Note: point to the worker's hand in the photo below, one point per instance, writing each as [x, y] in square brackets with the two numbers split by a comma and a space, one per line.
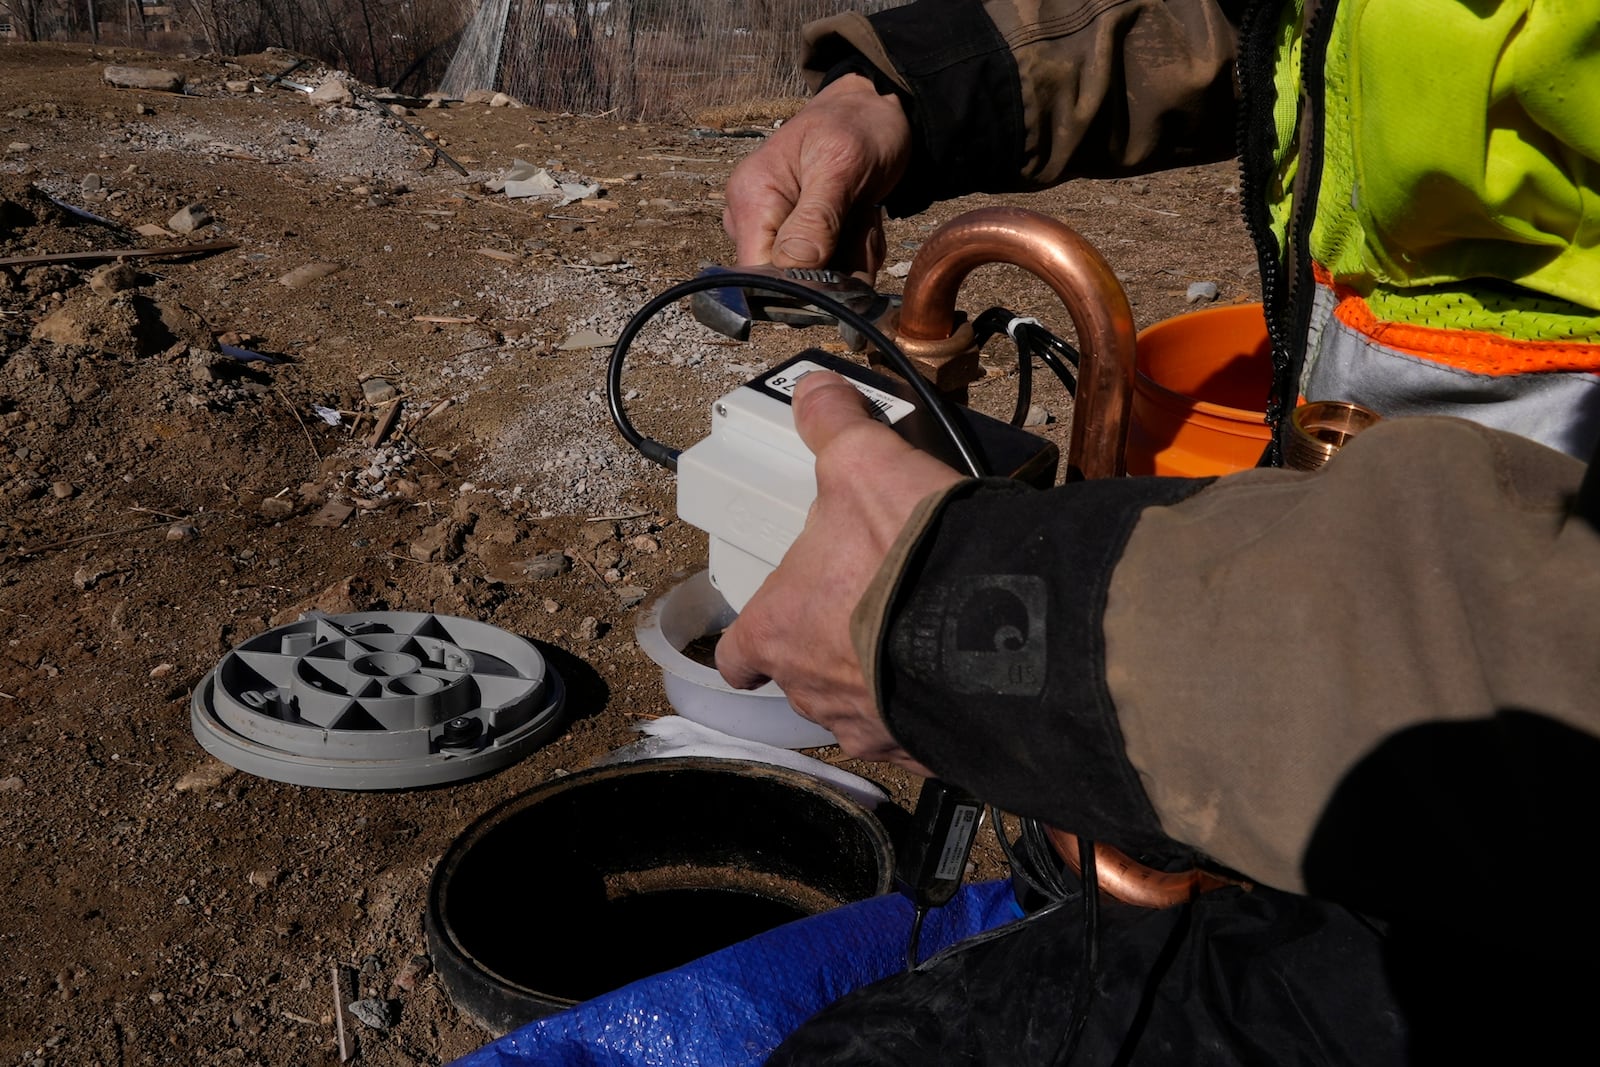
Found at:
[809, 196]
[796, 629]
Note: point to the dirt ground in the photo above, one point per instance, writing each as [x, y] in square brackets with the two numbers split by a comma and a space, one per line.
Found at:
[160, 503]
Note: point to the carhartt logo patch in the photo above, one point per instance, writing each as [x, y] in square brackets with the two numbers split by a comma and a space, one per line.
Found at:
[983, 634]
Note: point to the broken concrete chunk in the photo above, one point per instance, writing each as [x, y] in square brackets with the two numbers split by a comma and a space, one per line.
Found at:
[585, 338]
[303, 276]
[334, 93]
[160, 81]
[190, 219]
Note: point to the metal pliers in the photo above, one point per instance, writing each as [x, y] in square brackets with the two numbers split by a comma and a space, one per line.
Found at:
[732, 310]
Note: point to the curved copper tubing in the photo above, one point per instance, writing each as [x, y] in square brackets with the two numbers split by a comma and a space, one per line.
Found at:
[1084, 281]
[1058, 255]
[1130, 881]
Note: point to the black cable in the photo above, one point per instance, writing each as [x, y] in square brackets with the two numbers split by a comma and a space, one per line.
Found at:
[1032, 341]
[667, 456]
[1083, 988]
[915, 939]
[996, 321]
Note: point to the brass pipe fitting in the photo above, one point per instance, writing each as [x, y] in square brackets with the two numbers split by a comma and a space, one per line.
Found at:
[1058, 255]
[950, 363]
[1320, 428]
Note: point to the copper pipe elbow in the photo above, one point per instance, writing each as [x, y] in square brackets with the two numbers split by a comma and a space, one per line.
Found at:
[1083, 280]
[1057, 254]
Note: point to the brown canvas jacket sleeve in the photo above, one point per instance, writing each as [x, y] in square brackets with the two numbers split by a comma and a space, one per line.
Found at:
[1011, 95]
[1373, 683]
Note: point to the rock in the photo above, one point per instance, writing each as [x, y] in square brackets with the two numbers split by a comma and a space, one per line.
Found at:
[62, 490]
[440, 542]
[605, 259]
[263, 878]
[899, 270]
[88, 576]
[203, 778]
[551, 606]
[162, 670]
[114, 278]
[1037, 416]
[159, 81]
[378, 391]
[17, 148]
[143, 108]
[502, 100]
[415, 969]
[182, 531]
[1199, 291]
[236, 87]
[589, 628]
[308, 273]
[646, 544]
[632, 595]
[190, 219]
[340, 598]
[91, 183]
[546, 565]
[277, 507]
[334, 93]
[10, 785]
[598, 533]
[479, 96]
[376, 1012]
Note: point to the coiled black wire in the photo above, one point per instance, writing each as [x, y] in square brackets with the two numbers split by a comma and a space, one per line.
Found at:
[667, 456]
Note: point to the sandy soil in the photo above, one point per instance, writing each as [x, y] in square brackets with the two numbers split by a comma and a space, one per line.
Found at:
[159, 503]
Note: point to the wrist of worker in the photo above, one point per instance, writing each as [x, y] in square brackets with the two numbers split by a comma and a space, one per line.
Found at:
[956, 80]
[981, 640]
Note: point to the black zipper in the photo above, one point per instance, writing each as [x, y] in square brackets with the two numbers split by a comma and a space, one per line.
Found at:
[1286, 282]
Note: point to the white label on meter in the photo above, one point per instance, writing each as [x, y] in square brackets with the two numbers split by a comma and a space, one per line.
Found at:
[952, 858]
[886, 407]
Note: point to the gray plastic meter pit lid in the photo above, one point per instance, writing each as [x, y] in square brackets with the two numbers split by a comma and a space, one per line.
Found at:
[378, 700]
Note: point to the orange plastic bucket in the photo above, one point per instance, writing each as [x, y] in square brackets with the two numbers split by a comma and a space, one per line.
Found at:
[1200, 394]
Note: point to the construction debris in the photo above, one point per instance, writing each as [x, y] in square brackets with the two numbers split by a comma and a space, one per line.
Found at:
[160, 81]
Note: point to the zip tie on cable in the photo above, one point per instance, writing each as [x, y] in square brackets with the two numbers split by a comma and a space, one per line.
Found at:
[1020, 320]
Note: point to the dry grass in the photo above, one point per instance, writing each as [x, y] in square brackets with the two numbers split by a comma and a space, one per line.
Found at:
[749, 112]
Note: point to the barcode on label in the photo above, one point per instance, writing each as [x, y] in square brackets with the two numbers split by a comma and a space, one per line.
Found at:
[886, 407]
[953, 856]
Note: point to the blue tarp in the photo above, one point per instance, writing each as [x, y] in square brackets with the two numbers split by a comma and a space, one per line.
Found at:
[733, 1007]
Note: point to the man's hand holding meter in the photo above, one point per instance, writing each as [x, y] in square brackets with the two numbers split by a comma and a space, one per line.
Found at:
[796, 630]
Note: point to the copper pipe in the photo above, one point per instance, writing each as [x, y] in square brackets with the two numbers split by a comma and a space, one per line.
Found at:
[1123, 878]
[1058, 255]
[1085, 283]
